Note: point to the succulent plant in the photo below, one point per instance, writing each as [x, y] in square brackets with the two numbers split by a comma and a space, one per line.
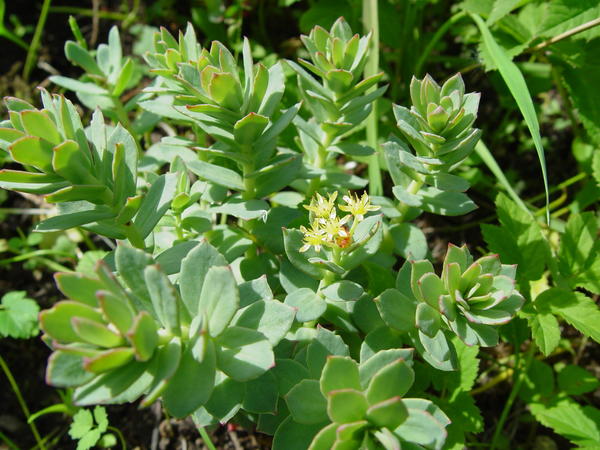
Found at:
[119, 340]
[470, 299]
[439, 123]
[338, 58]
[95, 178]
[238, 111]
[107, 75]
[438, 127]
[364, 406]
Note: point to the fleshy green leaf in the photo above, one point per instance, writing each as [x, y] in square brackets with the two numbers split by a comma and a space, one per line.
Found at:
[184, 394]
[309, 305]
[340, 373]
[306, 403]
[346, 405]
[390, 381]
[245, 354]
[165, 298]
[219, 300]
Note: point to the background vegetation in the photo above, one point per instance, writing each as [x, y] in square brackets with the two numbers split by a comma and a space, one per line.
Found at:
[539, 149]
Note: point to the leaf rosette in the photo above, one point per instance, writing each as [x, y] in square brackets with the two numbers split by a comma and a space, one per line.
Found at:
[470, 299]
[438, 127]
[118, 340]
[93, 180]
[439, 123]
[238, 108]
[340, 100]
[362, 406]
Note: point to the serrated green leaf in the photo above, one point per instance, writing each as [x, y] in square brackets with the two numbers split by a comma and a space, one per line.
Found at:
[567, 418]
[575, 307]
[545, 331]
[575, 380]
[519, 242]
[101, 418]
[579, 249]
[18, 316]
[82, 423]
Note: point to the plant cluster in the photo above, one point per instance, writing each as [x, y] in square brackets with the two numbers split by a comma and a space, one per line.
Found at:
[241, 288]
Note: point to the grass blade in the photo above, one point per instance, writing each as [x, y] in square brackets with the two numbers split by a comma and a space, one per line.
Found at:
[513, 78]
[484, 153]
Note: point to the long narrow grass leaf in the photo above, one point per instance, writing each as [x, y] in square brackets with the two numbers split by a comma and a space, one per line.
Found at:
[489, 160]
[518, 88]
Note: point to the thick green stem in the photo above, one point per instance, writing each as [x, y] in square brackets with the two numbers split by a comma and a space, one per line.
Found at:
[320, 162]
[371, 23]
[250, 189]
[21, 400]
[35, 41]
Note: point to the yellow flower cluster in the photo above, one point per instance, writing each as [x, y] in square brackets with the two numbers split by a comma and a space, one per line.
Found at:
[329, 230]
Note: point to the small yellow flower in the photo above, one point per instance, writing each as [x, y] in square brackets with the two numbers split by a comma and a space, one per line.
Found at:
[313, 237]
[334, 227]
[322, 208]
[358, 207]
